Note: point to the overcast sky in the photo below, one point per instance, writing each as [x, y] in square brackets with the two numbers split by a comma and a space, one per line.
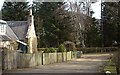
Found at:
[96, 7]
[1, 3]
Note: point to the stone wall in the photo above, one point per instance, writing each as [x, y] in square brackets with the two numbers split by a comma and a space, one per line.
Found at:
[69, 55]
[0, 61]
[14, 59]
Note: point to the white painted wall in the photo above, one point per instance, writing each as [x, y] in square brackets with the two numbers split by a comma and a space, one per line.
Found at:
[2, 27]
[6, 31]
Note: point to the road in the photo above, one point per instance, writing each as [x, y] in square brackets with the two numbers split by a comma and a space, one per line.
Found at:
[88, 63]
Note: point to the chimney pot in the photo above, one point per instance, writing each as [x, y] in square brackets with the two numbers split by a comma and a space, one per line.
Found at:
[30, 11]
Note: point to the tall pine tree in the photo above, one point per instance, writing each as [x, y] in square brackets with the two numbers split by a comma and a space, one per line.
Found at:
[55, 25]
[110, 21]
[15, 11]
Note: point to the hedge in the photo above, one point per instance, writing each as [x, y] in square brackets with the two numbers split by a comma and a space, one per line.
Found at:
[97, 49]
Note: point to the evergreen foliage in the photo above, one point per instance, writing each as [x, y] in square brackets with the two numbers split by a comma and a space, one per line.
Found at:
[61, 48]
[15, 11]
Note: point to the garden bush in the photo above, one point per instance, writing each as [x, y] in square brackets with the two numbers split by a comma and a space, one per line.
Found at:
[49, 50]
[61, 48]
[70, 46]
[46, 50]
[52, 50]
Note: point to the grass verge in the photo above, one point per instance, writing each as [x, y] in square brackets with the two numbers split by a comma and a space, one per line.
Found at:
[110, 67]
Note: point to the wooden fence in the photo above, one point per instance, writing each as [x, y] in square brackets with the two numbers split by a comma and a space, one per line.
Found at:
[14, 59]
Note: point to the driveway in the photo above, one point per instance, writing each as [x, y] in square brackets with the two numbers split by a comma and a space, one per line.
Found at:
[88, 63]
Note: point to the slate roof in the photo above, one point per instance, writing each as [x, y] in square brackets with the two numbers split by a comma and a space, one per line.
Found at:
[19, 28]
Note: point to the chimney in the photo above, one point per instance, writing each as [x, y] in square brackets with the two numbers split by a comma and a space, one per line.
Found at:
[31, 28]
[31, 18]
[31, 35]
[30, 12]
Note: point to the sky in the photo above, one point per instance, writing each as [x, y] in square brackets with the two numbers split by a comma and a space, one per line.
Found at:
[1, 3]
[96, 7]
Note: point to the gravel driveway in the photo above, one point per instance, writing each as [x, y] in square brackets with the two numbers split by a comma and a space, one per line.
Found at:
[88, 63]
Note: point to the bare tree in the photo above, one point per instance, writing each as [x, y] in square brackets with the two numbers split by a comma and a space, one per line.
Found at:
[79, 17]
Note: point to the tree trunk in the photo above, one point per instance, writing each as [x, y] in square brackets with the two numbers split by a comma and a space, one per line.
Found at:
[83, 44]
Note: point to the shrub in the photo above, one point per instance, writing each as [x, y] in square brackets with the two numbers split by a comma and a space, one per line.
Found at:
[46, 50]
[52, 50]
[61, 48]
[70, 46]
[49, 50]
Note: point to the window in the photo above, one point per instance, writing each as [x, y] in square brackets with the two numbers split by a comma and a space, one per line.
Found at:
[2, 28]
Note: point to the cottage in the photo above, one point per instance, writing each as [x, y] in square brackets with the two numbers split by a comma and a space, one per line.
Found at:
[6, 34]
[19, 33]
[20, 29]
